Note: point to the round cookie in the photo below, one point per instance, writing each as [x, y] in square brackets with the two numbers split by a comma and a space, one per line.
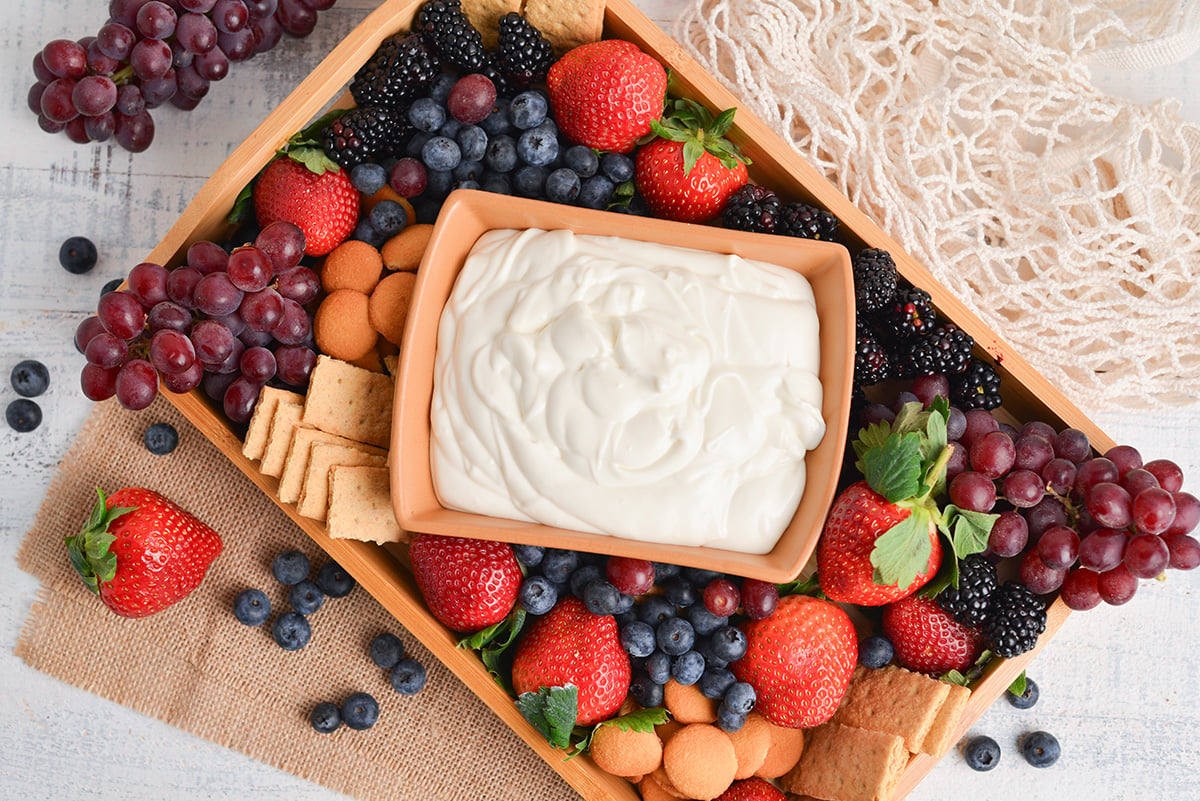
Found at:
[389, 305]
[667, 729]
[783, 753]
[700, 761]
[659, 778]
[687, 704]
[750, 744]
[341, 326]
[352, 265]
[404, 250]
[625, 753]
[652, 790]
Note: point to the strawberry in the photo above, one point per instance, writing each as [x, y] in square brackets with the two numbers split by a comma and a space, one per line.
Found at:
[881, 538]
[468, 584]
[605, 94]
[927, 639]
[690, 170]
[752, 789]
[311, 192]
[140, 552]
[799, 660]
[570, 645]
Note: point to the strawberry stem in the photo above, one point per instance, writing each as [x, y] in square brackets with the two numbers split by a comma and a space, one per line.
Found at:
[89, 549]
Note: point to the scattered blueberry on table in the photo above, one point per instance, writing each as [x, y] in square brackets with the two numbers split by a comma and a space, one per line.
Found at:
[982, 753]
[161, 438]
[77, 255]
[252, 607]
[1027, 698]
[306, 597]
[1040, 749]
[23, 415]
[290, 567]
[386, 650]
[326, 717]
[334, 581]
[360, 711]
[291, 631]
[30, 378]
[408, 676]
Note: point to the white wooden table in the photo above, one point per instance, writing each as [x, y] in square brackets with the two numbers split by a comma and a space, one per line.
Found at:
[1120, 687]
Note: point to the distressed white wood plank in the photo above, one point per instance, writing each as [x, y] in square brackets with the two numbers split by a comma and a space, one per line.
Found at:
[1119, 686]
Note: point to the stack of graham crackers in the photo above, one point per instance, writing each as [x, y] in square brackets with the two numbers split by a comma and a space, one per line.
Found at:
[328, 448]
[886, 716]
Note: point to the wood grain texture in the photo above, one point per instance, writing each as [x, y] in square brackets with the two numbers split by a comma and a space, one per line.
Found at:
[1119, 686]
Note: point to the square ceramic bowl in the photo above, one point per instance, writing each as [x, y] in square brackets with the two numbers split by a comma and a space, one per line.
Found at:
[469, 214]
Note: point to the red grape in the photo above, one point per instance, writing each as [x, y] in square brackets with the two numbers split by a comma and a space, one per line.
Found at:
[294, 325]
[240, 398]
[58, 101]
[88, 328]
[283, 244]
[1059, 475]
[216, 295]
[1049, 511]
[121, 314]
[261, 310]
[101, 127]
[1146, 555]
[1040, 578]
[168, 315]
[230, 16]
[136, 384]
[722, 597]
[1032, 452]
[759, 598]
[207, 257]
[1169, 475]
[1187, 513]
[196, 32]
[1109, 505]
[973, 491]
[1023, 488]
[1009, 534]
[408, 177]
[249, 269]
[1072, 444]
[258, 365]
[185, 381]
[150, 58]
[992, 454]
[148, 283]
[171, 352]
[1138, 479]
[65, 59]
[1080, 590]
[1093, 472]
[1102, 549]
[106, 351]
[212, 340]
[1116, 586]
[97, 383]
[94, 94]
[211, 66]
[630, 576]
[471, 99]
[928, 387]
[298, 283]
[1184, 551]
[135, 132]
[978, 423]
[1058, 547]
[1153, 511]
[295, 363]
[1125, 457]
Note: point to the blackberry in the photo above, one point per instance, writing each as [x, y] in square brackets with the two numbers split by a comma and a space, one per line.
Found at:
[1018, 617]
[806, 222]
[946, 350]
[363, 134]
[977, 387]
[401, 69]
[971, 603]
[874, 280]
[751, 208]
[446, 31]
[525, 54]
[491, 68]
[909, 314]
[872, 363]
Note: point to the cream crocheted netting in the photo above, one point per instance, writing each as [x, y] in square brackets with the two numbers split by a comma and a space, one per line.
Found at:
[1067, 219]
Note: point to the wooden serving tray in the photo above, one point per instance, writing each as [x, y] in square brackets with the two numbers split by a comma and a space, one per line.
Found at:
[382, 571]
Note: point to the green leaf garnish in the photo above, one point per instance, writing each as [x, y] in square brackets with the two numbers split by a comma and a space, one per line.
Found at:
[902, 552]
[1019, 685]
[638, 720]
[495, 644]
[894, 470]
[954, 677]
[552, 711]
[968, 531]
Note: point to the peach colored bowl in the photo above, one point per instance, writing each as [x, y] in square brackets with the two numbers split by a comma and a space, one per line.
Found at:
[465, 216]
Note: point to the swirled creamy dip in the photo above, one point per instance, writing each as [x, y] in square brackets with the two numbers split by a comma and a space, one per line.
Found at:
[626, 388]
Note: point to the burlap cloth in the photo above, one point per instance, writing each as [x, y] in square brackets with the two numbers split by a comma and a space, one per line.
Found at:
[195, 667]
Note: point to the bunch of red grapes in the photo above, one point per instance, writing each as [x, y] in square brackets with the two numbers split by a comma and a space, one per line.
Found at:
[228, 322]
[152, 52]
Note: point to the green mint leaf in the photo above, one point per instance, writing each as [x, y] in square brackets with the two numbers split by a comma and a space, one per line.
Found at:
[552, 711]
[902, 552]
[968, 531]
[954, 677]
[1019, 685]
[638, 720]
[894, 470]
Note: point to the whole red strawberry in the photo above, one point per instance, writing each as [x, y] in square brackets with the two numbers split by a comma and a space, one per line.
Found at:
[140, 552]
[689, 172]
[313, 194]
[468, 584]
[570, 645]
[926, 639]
[605, 94]
[752, 789]
[855, 522]
[799, 660]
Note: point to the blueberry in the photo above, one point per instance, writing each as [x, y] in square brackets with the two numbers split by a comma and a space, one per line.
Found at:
[415, 143]
[408, 676]
[740, 697]
[875, 651]
[617, 167]
[500, 155]
[595, 192]
[497, 122]
[290, 567]
[537, 147]
[325, 717]
[675, 636]
[291, 631]
[601, 597]
[704, 621]
[655, 609]
[468, 171]
[386, 650]
[450, 128]
[537, 595]
[687, 668]
[366, 232]
[625, 604]
[334, 581]
[388, 217]
[368, 177]
[558, 564]
[441, 153]
[426, 115]
[528, 180]
[549, 127]
[637, 638]
[728, 720]
[528, 555]
[583, 576]
[562, 186]
[528, 109]
[715, 682]
[700, 577]
[252, 607]
[664, 570]
[23, 415]
[472, 141]
[658, 667]
[729, 643]
[30, 378]
[582, 160]
[1040, 749]
[111, 286]
[497, 183]
[679, 591]
[981, 753]
[1026, 699]
[161, 438]
[646, 691]
[306, 597]
[438, 183]
[360, 711]
[77, 255]
[439, 90]
[625, 618]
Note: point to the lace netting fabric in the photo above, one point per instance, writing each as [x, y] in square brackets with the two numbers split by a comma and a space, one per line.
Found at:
[971, 132]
